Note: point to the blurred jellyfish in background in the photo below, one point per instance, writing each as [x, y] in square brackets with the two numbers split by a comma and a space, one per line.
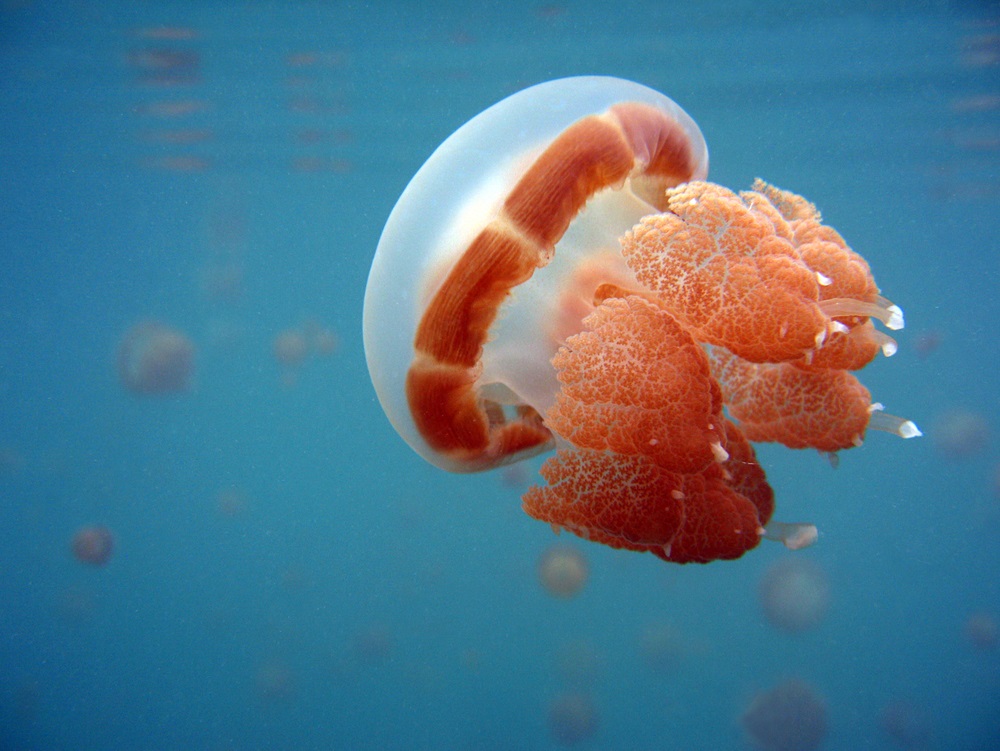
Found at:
[93, 545]
[373, 645]
[562, 571]
[294, 345]
[171, 68]
[960, 434]
[982, 631]
[165, 66]
[322, 340]
[155, 359]
[169, 109]
[291, 347]
[980, 50]
[789, 717]
[275, 681]
[794, 594]
[572, 718]
[926, 343]
[906, 725]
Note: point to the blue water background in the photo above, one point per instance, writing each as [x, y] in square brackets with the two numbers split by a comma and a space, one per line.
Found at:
[385, 603]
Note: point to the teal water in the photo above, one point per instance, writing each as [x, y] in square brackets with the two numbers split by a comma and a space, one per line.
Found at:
[287, 572]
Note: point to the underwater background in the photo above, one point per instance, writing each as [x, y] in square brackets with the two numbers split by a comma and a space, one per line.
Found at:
[286, 572]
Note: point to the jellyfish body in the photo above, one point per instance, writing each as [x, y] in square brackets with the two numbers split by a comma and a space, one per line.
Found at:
[93, 545]
[155, 359]
[559, 275]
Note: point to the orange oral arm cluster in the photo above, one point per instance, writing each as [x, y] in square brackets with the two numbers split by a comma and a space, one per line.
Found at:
[785, 306]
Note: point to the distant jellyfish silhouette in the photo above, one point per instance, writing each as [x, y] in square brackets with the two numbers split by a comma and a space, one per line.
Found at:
[572, 718]
[794, 594]
[275, 681]
[93, 545]
[562, 571]
[291, 347]
[906, 724]
[321, 339]
[155, 359]
[324, 341]
[959, 433]
[982, 631]
[927, 343]
[789, 717]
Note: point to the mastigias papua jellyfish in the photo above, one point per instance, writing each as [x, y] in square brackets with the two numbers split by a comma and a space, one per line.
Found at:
[559, 276]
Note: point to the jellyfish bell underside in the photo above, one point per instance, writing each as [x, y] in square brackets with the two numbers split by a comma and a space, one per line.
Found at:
[558, 275]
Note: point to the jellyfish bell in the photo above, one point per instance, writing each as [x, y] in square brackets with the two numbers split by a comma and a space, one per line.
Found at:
[960, 434]
[291, 347]
[982, 631]
[573, 718]
[562, 571]
[489, 190]
[275, 681]
[789, 717]
[795, 595]
[155, 359]
[907, 725]
[93, 545]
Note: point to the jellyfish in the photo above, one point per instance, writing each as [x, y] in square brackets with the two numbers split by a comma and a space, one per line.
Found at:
[789, 717]
[155, 359]
[982, 631]
[93, 545]
[794, 594]
[275, 681]
[291, 347]
[573, 718]
[562, 571]
[960, 434]
[907, 725]
[560, 276]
